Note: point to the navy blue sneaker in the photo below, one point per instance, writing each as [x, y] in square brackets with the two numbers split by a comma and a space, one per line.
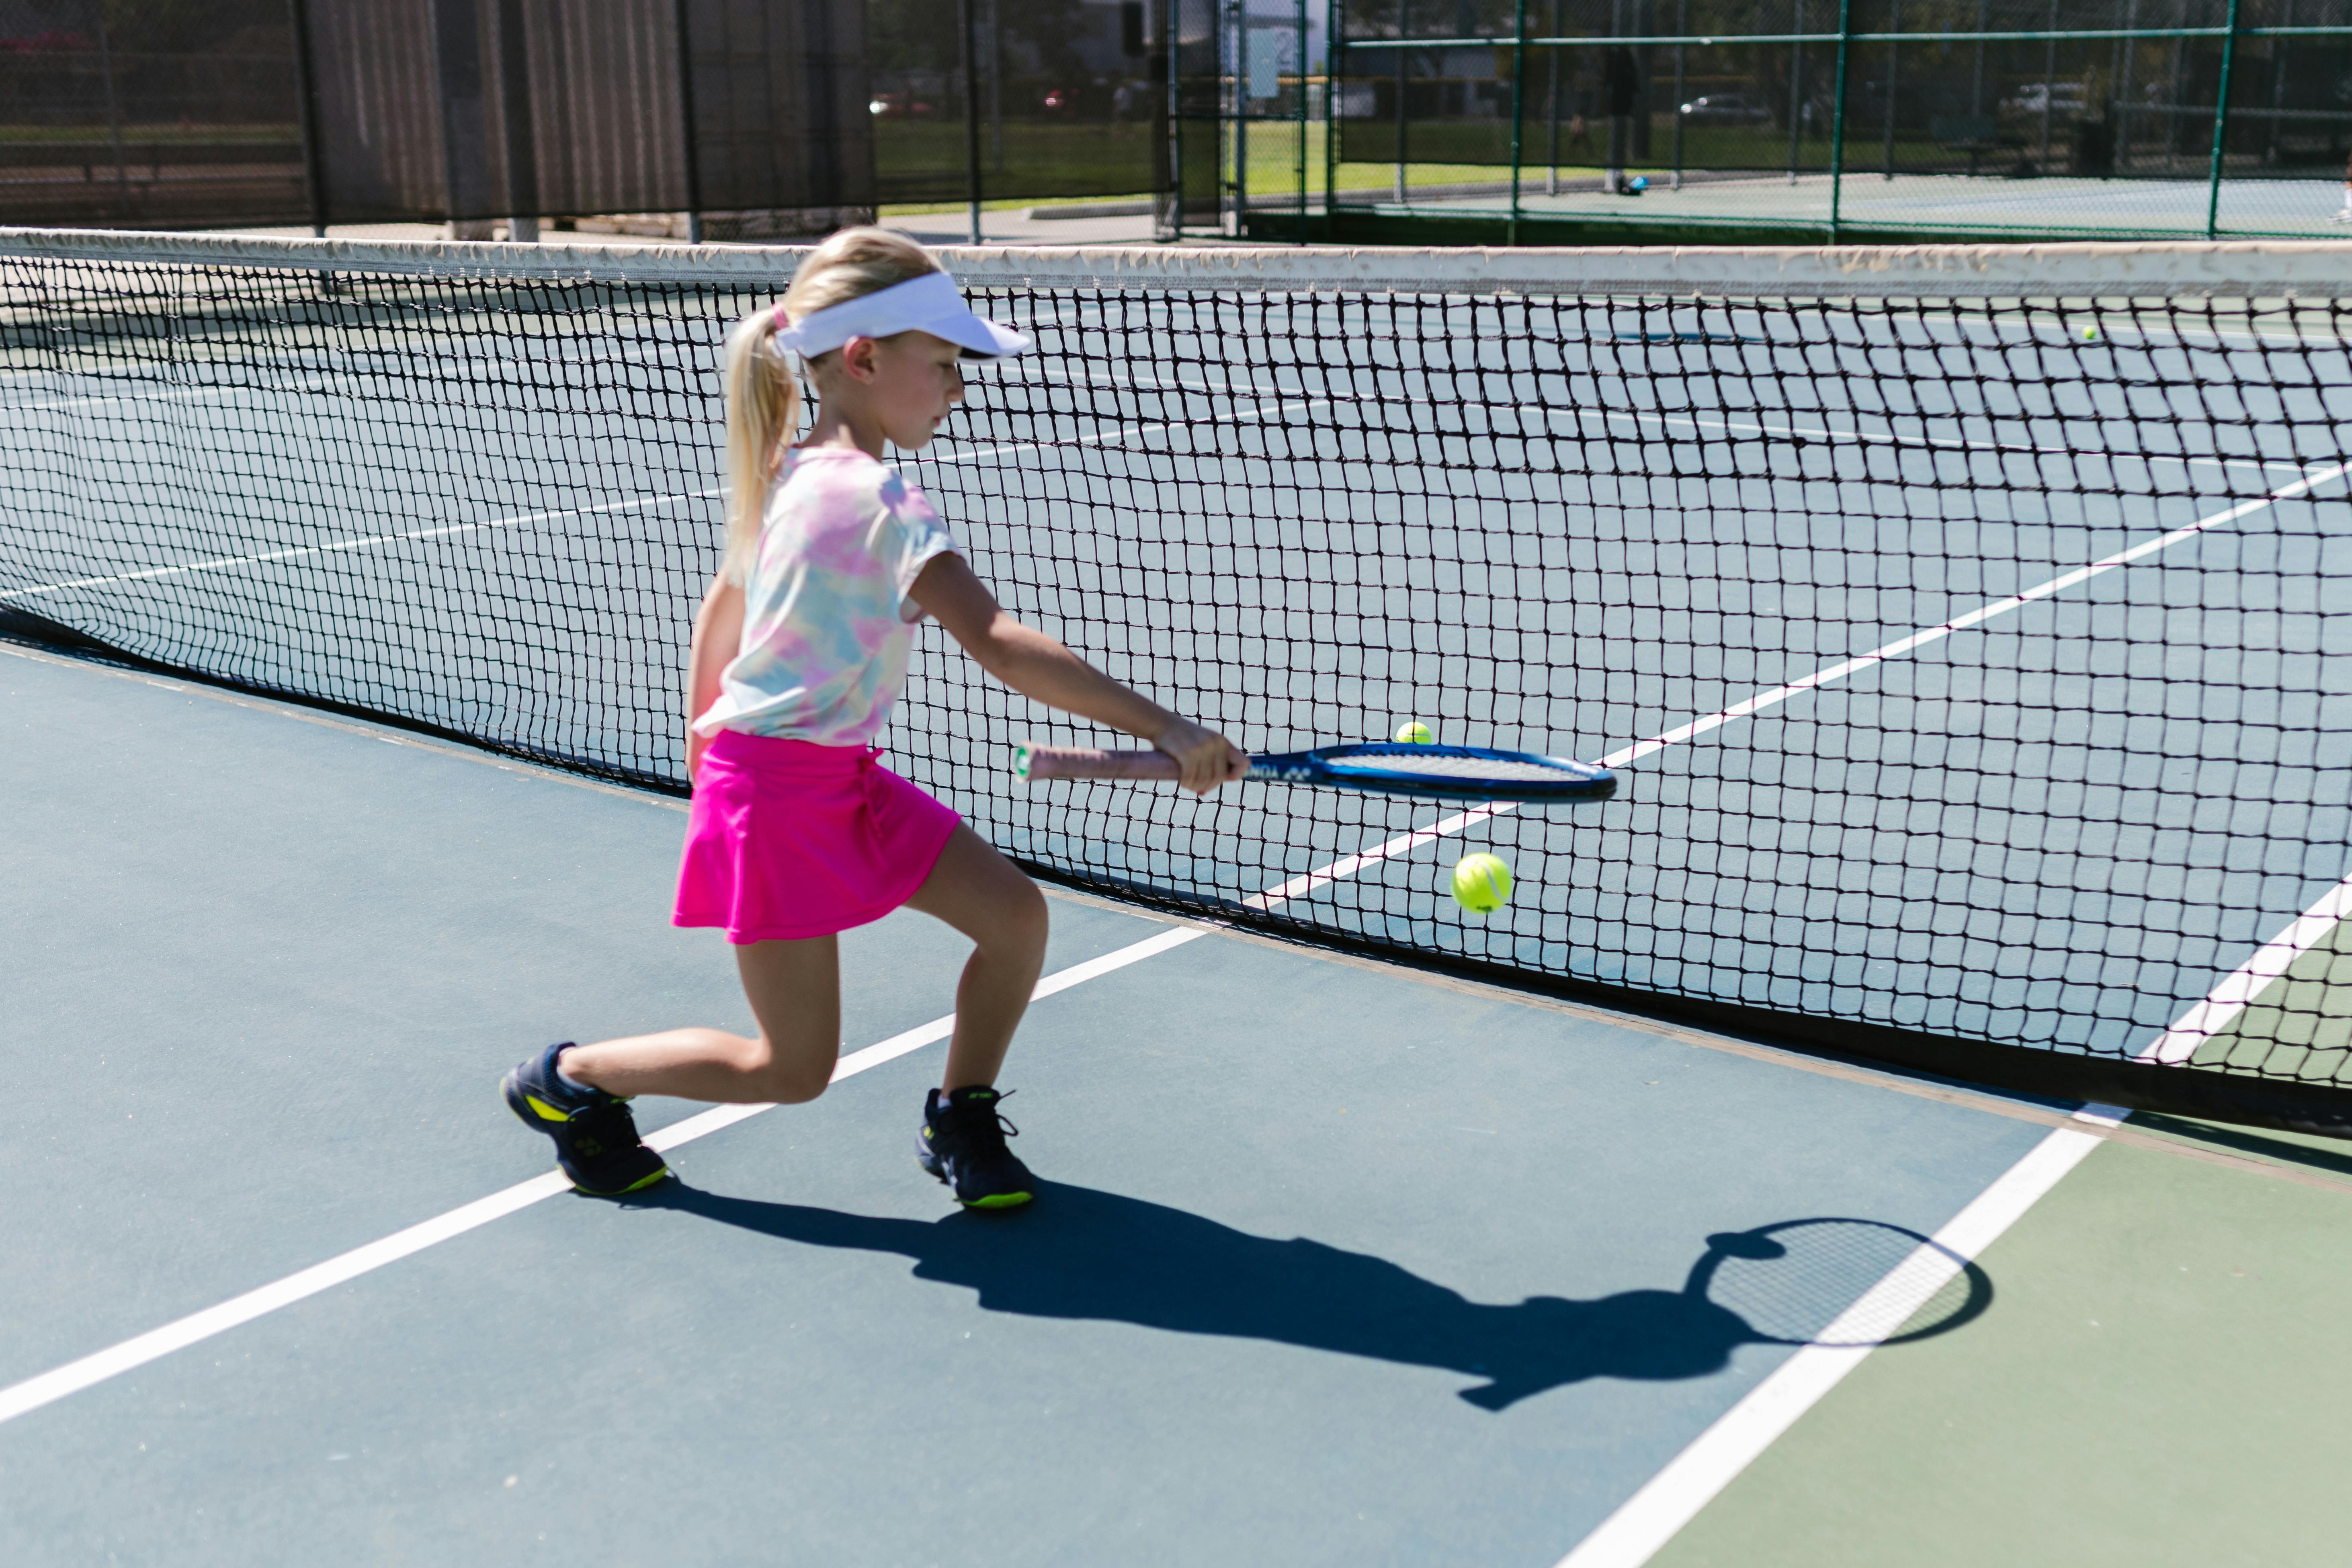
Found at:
[962, 1144]
[596, 1137]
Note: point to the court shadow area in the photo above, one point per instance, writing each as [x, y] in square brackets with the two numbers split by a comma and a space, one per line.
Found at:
[1082, 1253]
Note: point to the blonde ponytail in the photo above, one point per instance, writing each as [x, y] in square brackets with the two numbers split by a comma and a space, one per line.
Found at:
[763, 393]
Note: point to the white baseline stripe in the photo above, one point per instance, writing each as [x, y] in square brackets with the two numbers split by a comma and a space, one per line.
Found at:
[1406, 843]
[74, 1376]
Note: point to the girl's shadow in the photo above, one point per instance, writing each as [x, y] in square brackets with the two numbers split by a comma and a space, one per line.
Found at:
[1079, 1253]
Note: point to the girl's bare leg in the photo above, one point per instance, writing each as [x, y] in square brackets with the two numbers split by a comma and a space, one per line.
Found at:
[985, 897]
[794, 988]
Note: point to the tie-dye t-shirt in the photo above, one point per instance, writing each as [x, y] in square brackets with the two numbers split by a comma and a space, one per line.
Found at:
[827, 624]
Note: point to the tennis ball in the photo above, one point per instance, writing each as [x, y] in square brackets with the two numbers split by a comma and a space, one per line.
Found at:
[2090, 334]
[1481, 883]
[1413, 732]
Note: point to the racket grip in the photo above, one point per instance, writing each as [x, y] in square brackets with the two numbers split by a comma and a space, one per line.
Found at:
[1034, 763]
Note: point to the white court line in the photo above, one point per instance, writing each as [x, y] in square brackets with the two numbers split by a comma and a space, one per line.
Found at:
[1037, 375]
[2270, 962]
[178, 395]
[366, 541]
[1106, 437]
[522, 520]
[1673, 1497]
[1404, 844]
[91, 1370]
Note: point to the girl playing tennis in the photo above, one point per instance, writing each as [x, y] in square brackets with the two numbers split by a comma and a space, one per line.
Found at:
[800, 648]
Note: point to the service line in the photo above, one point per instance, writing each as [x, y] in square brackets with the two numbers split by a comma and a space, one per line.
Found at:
[1749, 707]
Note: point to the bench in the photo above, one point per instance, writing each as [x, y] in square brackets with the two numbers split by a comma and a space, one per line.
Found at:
[1975, 135]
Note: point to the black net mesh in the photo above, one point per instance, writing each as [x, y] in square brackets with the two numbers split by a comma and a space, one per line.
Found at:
[1968, 662]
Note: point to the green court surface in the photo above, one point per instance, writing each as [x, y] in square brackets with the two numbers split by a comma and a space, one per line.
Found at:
[2162, 1383]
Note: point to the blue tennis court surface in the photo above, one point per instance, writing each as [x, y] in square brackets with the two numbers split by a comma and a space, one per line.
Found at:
[1333, 1263]
[1969, 671]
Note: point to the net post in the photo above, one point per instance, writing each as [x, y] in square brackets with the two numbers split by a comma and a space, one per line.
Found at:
[2220, 124]
[687, 141]
[1837, 116]
[1519, 104]
[306, 103]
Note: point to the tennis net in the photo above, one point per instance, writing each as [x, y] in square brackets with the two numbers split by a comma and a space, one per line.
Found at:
[1957, 619]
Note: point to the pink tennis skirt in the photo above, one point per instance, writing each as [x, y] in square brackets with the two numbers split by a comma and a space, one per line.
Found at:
[789, 839]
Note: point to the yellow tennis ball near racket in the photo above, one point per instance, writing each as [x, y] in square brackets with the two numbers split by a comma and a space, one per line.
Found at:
[1481, 883]
[1413, 732]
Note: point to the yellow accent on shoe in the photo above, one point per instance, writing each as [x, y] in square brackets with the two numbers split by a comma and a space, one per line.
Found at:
[546, 1111]
[639, 1185]
[1000, 1201]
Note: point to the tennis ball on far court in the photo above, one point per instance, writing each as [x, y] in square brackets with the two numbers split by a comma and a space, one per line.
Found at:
[1413, 732]
[2090, 334]
[1481, 883]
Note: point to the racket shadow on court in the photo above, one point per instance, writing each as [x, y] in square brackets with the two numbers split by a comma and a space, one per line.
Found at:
[1082, 1253]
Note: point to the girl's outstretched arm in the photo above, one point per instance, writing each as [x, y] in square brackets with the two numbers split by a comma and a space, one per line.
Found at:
[1036, 666]
[718, 636]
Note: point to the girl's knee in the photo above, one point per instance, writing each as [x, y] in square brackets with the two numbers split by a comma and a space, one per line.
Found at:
[799, 1089]
[784, 1079]
[1024, 920]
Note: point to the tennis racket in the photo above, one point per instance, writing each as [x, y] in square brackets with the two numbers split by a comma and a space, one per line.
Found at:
[1380, 767]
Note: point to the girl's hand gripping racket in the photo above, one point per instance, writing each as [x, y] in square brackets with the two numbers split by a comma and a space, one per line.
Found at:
[1381, 767]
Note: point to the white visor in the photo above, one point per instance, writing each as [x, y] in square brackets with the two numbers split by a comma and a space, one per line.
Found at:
[931, 303]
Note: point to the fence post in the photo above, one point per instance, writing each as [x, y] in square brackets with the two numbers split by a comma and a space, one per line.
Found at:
[1169, 34]
[2221, 123]
[1519, 104]
[970, 110]
[1298, 80]
[306, 98]
[1837, 116]
[113, 113]
[1404, 20]
[1796, 88]
[1334, 18]
[688, 126]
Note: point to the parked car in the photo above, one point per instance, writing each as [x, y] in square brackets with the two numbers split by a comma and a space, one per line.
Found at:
[1725, 109]
[899, 106]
